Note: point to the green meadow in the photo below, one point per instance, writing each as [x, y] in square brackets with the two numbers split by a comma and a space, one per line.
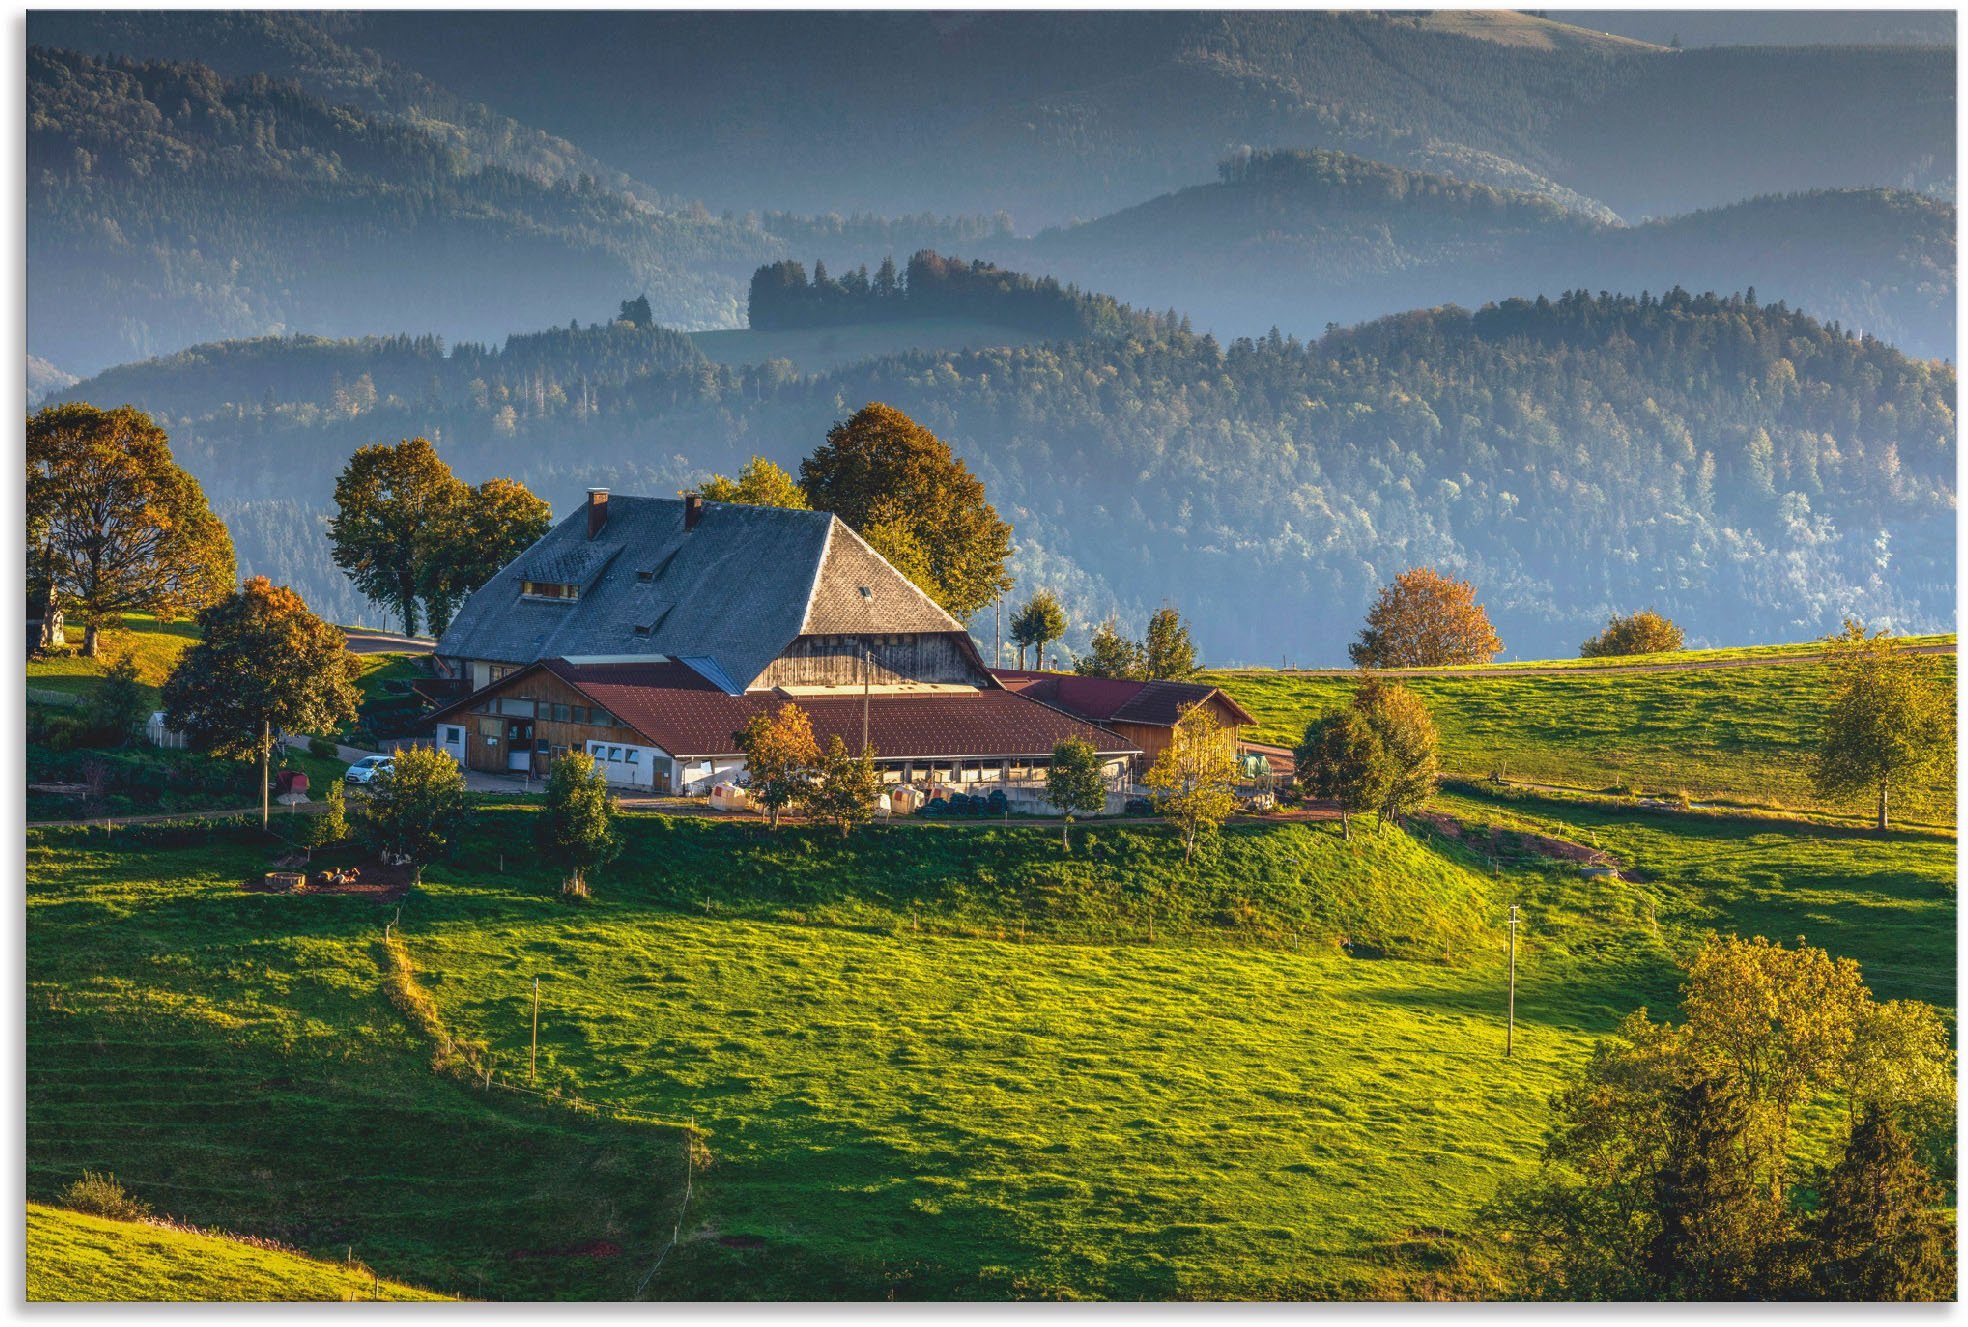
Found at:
[72, 1256]
[1732, 735]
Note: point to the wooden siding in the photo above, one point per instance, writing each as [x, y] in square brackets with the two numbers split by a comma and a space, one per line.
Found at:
[1153, 739]
[813, 661]
[487, 731]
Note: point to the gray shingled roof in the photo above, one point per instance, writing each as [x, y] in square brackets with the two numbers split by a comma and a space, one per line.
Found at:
[738, 589]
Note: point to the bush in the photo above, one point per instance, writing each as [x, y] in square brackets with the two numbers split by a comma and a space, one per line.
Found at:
[997, 803]
[1642, 633]
[101, 1195]
[323, 749]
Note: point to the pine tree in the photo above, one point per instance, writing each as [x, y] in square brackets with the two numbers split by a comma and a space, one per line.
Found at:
[1718, 1225]
[1879, 1230]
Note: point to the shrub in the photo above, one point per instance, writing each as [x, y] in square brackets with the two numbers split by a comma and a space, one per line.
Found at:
[323, 749]
[101, 1195]
[1645, 632]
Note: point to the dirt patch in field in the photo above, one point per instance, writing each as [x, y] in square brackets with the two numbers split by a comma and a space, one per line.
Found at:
[370, 880]
[1500, 842]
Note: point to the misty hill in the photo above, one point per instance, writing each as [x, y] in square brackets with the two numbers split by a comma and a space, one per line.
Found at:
[1061, 115]
[1743, 468]
[1301, 240]
[170, 206]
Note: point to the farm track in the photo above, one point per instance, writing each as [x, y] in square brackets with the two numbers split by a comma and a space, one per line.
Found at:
[1482, 671]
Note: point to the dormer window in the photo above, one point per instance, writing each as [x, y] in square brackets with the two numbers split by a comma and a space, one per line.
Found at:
[867, 593]
[549, 590]
[642, 631]
[646, 576]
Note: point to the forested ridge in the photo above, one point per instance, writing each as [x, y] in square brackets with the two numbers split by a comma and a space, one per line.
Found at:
[1304, 239]
[1744, 468]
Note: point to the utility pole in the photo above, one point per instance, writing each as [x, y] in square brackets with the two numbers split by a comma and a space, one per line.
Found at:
[266, 752]
[533, 1056]
[1510, 1029]
[867, 672]
[997, 631]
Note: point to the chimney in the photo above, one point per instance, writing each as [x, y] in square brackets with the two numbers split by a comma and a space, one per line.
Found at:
[693, 510]
[597, 510]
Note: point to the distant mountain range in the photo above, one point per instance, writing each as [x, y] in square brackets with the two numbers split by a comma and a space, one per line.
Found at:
[1740, 467]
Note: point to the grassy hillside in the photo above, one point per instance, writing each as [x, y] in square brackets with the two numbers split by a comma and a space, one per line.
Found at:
[73, 1256]
[1731, 735]
[232, 1058]
[823, 349]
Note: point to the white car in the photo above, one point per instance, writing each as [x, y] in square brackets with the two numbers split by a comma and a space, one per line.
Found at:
[365, 770]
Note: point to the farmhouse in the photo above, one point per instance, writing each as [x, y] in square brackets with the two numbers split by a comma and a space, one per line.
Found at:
[1143, 713]
[646, 631]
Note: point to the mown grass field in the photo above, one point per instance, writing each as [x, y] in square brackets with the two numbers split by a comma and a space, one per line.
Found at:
[1739, 735]
[73, 1256]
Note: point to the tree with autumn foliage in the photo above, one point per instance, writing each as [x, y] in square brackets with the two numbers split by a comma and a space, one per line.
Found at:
[1193, 780]
[396, 508]
[1645, 632]
[781, 758]
[1425, 620]
[113, 524]
[263, 665]
[1888, 719]
[489, 525]
[907, 494]
[762, 483]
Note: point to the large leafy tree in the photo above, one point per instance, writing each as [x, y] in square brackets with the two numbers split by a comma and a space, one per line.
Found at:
[1075, 784]
[899, 485]
[397, 506]
[577, 832]
[1425, 620]
[847, 790]
[1170, 653]
[1194, 778]
[1341, 758]
[493, 523]
[1036, 625]
[114, 523]
[1888, 719]
[781, 758]
[1645, 632]
[263, 665]
[1410, 746]
[414, 810]
[762, 483]
[1111, 654]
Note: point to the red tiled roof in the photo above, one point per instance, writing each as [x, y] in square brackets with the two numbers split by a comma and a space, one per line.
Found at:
[674, 707]
[1115, 699]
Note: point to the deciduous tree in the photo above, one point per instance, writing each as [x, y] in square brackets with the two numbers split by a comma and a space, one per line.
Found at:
[118, 705]
[1075, 784]
[847, 791]
[1194, 778]
[879, 467]
[1341, 758]
[1645, 632]
[1410, 747]
[118, 527]
[491, 524]
[263, 664]
[577, 832]
[781, 758]
[396, 508]
[762, 483]
[1888, 719]
[415, 808]
[1425, 620]
[1040, 622]
[1170, 653]
[1110, 654]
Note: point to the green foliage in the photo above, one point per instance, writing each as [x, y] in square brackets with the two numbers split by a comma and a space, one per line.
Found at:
[415, 810]
[491, 524]
[1109, 653]
[263, 664]
[846, 790]
[322, 749]
[1074, 782]
[1036, 625]
[879, 469]
[120, 703]
[1193, 778]
[101, 1195]
[1410, 748]
[1879, 1231]
[762, 483]
[1341, 758]
[576, 832]
[1645, 632]
[1170, 653]
[330, 825]
[113, 522]
[394, 506]
[781, 758]
[1888, 719]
